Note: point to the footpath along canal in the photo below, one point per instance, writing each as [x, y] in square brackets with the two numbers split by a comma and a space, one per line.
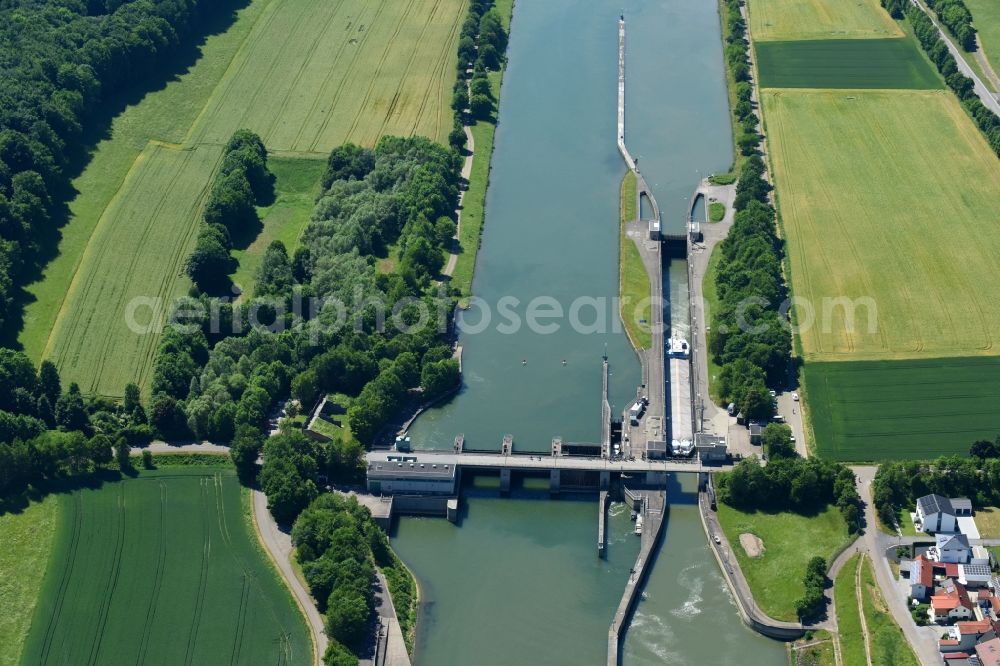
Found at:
[517, 580]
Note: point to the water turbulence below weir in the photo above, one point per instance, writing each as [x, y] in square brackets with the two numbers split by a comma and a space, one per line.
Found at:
[517, 580]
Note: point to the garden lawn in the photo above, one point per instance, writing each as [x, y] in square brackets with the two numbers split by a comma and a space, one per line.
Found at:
[790, 541]
[819, 19]
[883, 198]
[633, 279]
[852, 640]
[297, 183]
[163, 567]
[988, 522]
[845, 63]
[887, 643]
[26, 539]
[283, 70]
[890, 410]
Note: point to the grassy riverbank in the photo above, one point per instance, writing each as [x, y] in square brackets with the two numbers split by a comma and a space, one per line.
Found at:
[886, 641]
[474, 202]
[789, 541]
[633, 280]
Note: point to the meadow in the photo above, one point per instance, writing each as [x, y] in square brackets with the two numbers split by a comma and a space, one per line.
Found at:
[883, 197]
[887, 643]
[163, 568]
[790, 541]
[306, 76]
[27, 541]
[852, 640]
[296, 185]
[845, 63]
[917, 409]
[819, 19]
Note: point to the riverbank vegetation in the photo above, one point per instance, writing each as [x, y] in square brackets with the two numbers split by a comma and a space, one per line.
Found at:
[161, 589]
[482, 127]
[750, 340]
[789, 541]
[634, 290]
[27, 538]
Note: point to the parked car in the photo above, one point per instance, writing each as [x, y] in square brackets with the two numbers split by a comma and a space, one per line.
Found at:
[795, 397]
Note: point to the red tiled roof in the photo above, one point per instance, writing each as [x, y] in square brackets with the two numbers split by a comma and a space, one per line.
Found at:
[925, 573]
[944, 602]
[951, 570]
[989, 652]
[974, 627]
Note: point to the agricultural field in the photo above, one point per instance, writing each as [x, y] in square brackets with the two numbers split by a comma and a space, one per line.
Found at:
[845, 63]
[297, 183]
[290, 71]
[819, 19]
[986, 20]
[105, 599]
[789, 540]
[882, 197]
[918, 409]
[26, 536]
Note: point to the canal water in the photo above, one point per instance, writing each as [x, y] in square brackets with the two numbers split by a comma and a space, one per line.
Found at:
[518, 581]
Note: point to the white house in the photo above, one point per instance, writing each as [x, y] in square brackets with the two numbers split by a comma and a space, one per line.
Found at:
[935, 514]
[974, 575]
[951, 548]
[951, 606]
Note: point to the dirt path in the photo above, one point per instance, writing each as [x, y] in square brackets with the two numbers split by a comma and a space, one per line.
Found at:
[456, 246]
[861, 609]
[985, 65]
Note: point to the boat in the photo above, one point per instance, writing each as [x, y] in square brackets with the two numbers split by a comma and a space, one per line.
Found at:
[633, 515]
[638, 525]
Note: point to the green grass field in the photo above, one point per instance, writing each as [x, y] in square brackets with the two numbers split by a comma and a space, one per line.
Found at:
[887, 643]
[988, 522]
[163, 568]
[845, 63]
[297, 182]
[711, 298]
[27, 541]
[919, 409]
[883, 197]
[852, 640]
[716, 211]
[790, 541]
[306, 76]
[819, 19]
[633, 279]
[474, 201]
[986, 20]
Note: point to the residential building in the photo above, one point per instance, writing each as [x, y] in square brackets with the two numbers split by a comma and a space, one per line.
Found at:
[988, 652]
[974, 575]
[950, 604]
[935, 514]
[950, 548]
[964, 635]
[921, 578]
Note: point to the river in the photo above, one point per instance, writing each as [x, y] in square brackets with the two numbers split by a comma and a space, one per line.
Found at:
[518, 581]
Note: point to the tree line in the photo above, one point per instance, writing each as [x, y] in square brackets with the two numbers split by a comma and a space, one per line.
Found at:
[481, 46]
[957, 17]
[936, 49]
[736, 51]
[61, 59]
[897, 485]
[48, 433]
[242, 182]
